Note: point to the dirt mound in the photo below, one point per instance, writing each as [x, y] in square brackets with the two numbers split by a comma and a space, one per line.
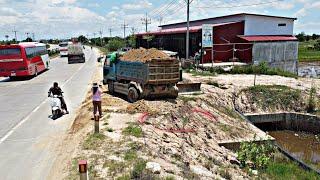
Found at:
[141, 107]
[144, 55]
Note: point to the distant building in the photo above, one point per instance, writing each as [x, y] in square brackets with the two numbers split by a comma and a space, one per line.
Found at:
[249, 38]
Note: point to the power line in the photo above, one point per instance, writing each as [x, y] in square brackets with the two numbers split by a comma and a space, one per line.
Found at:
[241, 5]
[163, 8]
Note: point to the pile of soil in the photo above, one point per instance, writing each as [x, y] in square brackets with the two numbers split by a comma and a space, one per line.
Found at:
[144, 55]
[141, 107]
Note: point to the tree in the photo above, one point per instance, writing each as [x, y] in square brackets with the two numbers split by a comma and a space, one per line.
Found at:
[82, 39]
[148, 38]
[301, 36]
[317, 45]
[115, 44]
[132, 41]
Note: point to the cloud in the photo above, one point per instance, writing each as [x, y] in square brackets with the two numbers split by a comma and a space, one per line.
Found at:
[137, 5]
[93, 5]
[4, 11]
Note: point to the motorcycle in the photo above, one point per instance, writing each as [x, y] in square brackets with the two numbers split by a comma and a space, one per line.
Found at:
[56, 107]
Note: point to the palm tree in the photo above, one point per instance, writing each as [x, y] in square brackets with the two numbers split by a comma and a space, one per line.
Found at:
[7, 37]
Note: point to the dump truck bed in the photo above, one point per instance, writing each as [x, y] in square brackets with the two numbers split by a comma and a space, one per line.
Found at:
[156, 71]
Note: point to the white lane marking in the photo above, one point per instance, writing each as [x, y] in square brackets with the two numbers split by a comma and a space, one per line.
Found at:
[8, 134]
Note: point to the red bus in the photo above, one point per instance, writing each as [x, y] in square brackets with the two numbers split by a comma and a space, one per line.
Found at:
[24, 59]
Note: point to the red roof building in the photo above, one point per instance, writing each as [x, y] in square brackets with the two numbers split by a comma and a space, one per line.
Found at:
[244, 37]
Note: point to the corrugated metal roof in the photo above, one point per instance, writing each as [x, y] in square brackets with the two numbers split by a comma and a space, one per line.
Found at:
[268, 38]
[182, 29]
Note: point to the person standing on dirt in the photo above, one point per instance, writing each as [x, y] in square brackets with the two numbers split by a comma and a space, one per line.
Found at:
[96, 99]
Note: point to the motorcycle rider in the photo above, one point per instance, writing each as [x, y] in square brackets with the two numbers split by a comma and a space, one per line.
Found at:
[56, 90]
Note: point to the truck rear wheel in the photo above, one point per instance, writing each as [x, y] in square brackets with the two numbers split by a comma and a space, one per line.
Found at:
[133, 95]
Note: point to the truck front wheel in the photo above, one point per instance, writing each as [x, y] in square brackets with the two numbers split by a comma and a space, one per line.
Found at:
[133, 95]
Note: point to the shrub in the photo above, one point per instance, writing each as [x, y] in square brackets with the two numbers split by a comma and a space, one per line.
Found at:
[115, 44]
[312, 102]
[138, 169]
[317, 45]
[133, 130]
[252, 154]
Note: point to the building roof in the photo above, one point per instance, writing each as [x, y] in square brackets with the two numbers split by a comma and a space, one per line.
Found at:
[268, 38]
[220, 17]
[182, 29]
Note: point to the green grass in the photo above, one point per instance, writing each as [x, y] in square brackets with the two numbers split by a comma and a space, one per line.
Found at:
[306, 54]
[133, 130]
[272, 96]
[187, 98]
[93, 141]
[262, 68]
[288, 170]
[130, 155]
[138, 169]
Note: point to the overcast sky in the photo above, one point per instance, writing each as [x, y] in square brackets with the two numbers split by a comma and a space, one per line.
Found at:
[69, 18]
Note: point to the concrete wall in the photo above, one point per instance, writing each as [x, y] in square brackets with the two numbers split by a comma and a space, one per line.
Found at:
[261, 25]
[288, 121]
[283, 55]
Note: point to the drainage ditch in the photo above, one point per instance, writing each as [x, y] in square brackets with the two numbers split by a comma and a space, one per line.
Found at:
[296, 135]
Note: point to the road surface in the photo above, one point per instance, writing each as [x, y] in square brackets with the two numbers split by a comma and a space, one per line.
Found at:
[28, 136]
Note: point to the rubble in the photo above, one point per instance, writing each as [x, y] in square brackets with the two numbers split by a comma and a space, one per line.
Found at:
[153, 167]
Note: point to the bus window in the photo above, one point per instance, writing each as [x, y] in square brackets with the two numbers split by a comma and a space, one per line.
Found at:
[10, 52]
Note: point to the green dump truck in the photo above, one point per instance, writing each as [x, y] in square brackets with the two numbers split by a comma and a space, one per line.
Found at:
[153, 79]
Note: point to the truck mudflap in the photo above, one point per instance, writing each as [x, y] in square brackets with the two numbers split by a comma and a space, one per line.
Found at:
[160, 91]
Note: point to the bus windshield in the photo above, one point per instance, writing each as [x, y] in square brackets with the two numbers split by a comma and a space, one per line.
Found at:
[10, 52]
[63, 44]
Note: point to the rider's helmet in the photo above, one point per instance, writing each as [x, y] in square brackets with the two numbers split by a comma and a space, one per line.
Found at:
[55, 84]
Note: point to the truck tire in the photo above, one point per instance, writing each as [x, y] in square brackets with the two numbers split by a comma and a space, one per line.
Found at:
[111, 87]
[133, 95]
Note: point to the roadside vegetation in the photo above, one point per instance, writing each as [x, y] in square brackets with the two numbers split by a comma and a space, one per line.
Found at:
[262, 68]
[265, 162]
[273, 97]
[309, 47]
[309, 51]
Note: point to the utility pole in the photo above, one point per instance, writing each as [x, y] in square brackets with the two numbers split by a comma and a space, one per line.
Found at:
[188, 32]
[124, 26]
[15, 34]
[110, 31]
[33, 37]
[146, 21]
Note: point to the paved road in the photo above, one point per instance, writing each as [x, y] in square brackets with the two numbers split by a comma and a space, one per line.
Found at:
[28, 136]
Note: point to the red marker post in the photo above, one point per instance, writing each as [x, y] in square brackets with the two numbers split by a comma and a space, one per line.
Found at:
[83, 170]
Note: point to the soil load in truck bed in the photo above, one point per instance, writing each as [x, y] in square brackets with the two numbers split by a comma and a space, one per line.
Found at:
[144, 55]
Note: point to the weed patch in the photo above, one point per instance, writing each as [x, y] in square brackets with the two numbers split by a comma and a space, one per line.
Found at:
[274, 96]
[133, 130]
[93, 141]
